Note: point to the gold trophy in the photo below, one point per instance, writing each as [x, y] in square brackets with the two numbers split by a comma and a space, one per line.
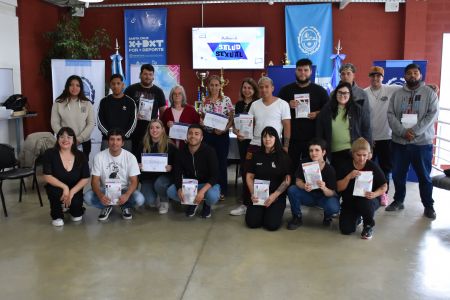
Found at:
[223, 83]
[201, 89]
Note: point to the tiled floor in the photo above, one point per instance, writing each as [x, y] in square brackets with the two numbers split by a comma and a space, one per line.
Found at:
[172, 257]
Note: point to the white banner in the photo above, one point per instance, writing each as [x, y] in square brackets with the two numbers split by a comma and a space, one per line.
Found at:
[92, 73]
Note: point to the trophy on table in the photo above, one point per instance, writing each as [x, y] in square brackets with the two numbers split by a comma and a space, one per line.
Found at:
[223, 83]
[201, 89]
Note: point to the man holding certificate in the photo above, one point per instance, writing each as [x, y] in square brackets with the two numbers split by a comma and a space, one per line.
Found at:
[149, 100]
[412, 113]
[114, 179]
[305, 99]
[195, 174]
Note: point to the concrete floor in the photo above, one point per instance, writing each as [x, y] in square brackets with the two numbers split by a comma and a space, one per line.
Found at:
[172, 257]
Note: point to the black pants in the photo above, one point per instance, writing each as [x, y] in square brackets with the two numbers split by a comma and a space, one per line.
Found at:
[138, 134]
[382, 155]
[355, 208]
[298, 152]
[270, 217]
[86, 146]
[54, 195]
[340, 158]
[221, 144]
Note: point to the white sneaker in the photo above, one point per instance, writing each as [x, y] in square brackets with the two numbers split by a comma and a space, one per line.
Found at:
[58, 222]
[163, 208]
[239, 211]
[77, 219]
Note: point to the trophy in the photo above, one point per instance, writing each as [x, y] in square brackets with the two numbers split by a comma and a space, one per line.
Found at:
[201, 89]
[223, 83]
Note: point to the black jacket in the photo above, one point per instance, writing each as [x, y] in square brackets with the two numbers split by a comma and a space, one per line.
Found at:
[202, 165]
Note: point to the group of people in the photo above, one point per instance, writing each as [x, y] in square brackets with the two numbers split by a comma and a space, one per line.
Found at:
[347, 135]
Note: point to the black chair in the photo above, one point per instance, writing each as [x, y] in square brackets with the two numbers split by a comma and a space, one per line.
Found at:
[9, 169]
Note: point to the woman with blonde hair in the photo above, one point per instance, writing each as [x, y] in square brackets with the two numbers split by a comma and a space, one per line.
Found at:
[155, 184]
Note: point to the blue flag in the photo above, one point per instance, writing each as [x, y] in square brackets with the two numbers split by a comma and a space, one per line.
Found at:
[309, 34]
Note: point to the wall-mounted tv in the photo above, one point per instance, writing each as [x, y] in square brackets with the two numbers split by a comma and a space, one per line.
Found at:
[228, 48]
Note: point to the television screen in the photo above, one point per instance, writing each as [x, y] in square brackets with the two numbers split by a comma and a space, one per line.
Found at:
[228, 48]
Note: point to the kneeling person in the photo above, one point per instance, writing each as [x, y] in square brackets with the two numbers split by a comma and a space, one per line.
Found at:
[119, 169]
[320, 193]
[196, 161]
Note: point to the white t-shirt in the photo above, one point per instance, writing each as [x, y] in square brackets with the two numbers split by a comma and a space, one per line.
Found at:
[271, 115]
[122, 166]
[379, 103]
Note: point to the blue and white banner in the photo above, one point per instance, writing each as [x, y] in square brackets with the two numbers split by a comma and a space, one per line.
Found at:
[394, 70]
[145, 37]
[92, 73]
[309, 34]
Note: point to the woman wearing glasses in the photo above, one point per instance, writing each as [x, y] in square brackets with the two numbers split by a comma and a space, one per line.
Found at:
[341, 121]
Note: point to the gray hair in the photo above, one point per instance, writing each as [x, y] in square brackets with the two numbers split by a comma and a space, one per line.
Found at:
[265, 78]
[183, 95]
[346, 66]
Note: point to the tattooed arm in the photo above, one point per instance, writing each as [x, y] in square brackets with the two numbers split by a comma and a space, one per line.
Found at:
[283, 187]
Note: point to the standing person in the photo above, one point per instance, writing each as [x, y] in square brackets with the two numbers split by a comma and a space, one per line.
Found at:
[179, 111]
[303, 128]
[347, 72]
[154, 184]
[73, 109]
[270, 163]
[324, 196]
[249, 93]
[219, 140]
[354, 207]
[117, 111]
[340, 122]
[412, 112]
[119, 164]
[196, 161]
[143, 91]
[379, 95]
[66, 172]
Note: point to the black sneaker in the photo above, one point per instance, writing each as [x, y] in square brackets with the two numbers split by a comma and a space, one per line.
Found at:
[104, 215]
[367, 232]
[327, 221]
[295, 223]
[429, 212]
[395, 206]
[126, 213]
[206, 211]
[191, 210]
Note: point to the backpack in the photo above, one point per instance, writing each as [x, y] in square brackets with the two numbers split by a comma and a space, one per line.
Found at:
[15, 102]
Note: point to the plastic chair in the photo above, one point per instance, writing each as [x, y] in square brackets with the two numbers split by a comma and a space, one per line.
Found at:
[9, 170]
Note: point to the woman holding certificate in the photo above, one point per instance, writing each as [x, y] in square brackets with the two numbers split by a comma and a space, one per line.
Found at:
[66, 172]
[249, 93]
[361, 182]
[156, 157]
[340, 122]
[217, 116]
[179, 116]
[268, 177]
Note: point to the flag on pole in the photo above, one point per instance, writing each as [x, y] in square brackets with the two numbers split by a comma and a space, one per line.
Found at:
[116, 64]
[337, 63]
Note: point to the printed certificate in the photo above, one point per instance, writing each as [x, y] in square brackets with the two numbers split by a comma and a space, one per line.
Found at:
[154, 162]
[113, 190]
[178, 131]
[145, 109]
[216, 121]
[190, 189]
[363, 183]
[311, 170]
[303, 108]
[261, 191]
[244, 123]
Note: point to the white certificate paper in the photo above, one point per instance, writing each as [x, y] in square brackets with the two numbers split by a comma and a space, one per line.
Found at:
[303, 108]
[244, 123]
[190, 189]
[217, 121]
[178, 131]
[145, 109]
[409, 120]
[363, 183]
[154, 162]
[311, 170]
[261, 191]
[113, 190]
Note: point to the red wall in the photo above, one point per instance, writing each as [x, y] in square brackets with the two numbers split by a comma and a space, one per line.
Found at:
[366, 32]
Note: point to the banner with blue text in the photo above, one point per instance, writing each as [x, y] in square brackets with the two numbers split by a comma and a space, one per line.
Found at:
[309, 34]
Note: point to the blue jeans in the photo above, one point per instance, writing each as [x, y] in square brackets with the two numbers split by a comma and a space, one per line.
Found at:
[211, 196]
[299, 197]
[136, 199]
[419, 156]
[151, 188]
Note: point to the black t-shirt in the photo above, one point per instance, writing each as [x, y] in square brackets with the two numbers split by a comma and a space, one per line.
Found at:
[52, 165]
[241, 107]
[272, 166]
[378, 177]
[304, 129]
[136, 90]
[328, 176]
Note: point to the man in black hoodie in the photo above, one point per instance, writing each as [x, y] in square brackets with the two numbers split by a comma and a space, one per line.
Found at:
[196, 161]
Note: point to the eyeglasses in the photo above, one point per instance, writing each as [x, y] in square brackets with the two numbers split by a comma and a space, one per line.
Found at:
[66, 137]
[339, 93]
